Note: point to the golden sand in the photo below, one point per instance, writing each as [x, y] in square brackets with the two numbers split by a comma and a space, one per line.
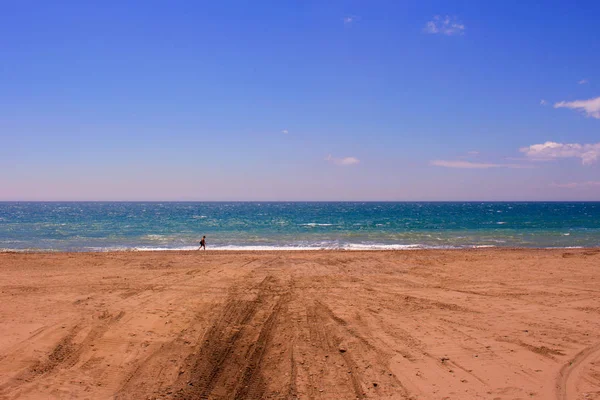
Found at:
[460, 324]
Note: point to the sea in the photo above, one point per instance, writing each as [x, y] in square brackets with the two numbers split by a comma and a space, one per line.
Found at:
[110, 226]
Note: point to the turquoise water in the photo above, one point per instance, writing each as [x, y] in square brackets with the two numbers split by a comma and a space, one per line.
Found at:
[97, 226]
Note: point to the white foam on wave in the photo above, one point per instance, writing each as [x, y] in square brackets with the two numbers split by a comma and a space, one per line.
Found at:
[350, 247]
[155, 237]
[377, 246]
[30, 250]
[347, 247]
[266, 248]
[148, 248]
[315, 224]
[136, 248]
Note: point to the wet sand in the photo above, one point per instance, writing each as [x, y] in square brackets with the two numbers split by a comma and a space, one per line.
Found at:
[462, 324]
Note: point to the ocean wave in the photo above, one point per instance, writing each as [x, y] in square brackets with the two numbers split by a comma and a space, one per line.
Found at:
[149, 248]
[315, 224]
[155, 237]
[266, 248]
[345, 247]
[377, 246]
[313, 247]
[29, 250]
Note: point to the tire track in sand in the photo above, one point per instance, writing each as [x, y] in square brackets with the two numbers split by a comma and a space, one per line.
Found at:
[358, 368]
[65, 354]
[228, 362]
[572, 372]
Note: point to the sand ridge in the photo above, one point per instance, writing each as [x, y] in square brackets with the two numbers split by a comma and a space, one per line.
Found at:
[431, 324]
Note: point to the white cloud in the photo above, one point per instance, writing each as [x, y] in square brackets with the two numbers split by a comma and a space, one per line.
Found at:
[583, 82]
[350, 19]
[575, 185]
[543, 102]
[285, 131]
[446, 25]
[473, 165]
[344, 161]
[590, 107]
[588, 153]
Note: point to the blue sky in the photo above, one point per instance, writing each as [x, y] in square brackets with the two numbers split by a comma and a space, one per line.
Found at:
[299, 100]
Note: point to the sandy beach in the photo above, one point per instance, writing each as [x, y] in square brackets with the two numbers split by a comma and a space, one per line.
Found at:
[460, 324]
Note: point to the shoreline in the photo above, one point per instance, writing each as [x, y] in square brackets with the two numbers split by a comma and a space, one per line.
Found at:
[497, 323]
[293, 250]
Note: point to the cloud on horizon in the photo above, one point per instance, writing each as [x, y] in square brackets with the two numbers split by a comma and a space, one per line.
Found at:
[344, 161]
[590, 107]
[446, 25]
[473, 165]
[588, 153]
[583, 82]
[575, 185]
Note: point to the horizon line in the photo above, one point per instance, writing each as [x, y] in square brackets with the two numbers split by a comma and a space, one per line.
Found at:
[300, 201]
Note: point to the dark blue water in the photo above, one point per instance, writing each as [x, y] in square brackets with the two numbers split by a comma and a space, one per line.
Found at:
[85, 226]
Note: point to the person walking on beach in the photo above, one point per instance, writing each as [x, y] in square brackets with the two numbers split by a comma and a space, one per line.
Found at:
[203, 243]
